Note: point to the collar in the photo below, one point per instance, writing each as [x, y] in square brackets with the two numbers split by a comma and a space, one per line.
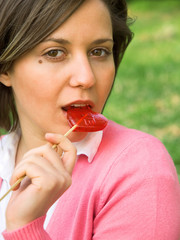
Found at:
[8, 145]
[89, 145]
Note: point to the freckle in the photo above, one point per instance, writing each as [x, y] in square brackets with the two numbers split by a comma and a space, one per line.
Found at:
[40, 61]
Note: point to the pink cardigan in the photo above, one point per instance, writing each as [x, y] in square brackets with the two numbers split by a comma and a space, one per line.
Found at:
[129, 192]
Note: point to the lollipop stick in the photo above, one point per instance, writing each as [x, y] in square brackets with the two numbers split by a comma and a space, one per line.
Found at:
[66, 134]
[12, 187]
[71, 129]
[54, 146]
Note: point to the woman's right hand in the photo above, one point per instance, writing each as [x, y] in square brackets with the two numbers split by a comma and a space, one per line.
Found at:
[48, 177]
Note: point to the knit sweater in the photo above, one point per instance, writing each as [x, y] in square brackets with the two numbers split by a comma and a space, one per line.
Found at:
[130, 191]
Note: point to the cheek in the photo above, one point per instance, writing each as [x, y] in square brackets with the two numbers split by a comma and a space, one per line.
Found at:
[31, 82]
[105, 85]
[107, 80]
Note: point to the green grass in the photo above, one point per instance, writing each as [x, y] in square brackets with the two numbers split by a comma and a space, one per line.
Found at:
[146, 94]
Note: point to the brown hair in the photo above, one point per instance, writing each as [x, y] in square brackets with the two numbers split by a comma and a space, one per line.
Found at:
[25, 23]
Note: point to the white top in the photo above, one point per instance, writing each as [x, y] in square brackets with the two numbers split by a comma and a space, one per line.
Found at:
[8, 145]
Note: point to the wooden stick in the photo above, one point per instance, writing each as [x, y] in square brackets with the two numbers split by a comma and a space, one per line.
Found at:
[54, 146]
[67, 133]
[12, 187]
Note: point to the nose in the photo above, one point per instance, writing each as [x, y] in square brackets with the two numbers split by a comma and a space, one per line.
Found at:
[82, 73]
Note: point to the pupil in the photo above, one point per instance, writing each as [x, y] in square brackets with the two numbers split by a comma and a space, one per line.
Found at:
[53, 53]
[97, 52]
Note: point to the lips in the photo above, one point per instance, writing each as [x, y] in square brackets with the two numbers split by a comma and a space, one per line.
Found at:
[78, 104]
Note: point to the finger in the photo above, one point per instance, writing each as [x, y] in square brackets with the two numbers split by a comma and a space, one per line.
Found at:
[48, 153]
[23, 169]
[68, 148]
[42, 179]
[15, 185]
[40, 161]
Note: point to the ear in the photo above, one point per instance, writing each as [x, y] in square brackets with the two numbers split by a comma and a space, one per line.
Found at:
[5, 79]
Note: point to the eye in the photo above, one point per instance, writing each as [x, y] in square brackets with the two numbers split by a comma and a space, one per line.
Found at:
[55, 54]
[100, 52]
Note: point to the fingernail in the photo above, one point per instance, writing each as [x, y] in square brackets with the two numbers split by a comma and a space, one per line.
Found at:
[49, 135]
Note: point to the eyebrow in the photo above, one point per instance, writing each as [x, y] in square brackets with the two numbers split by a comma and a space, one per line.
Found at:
[57, 40]
[103, 40]
[66, 42]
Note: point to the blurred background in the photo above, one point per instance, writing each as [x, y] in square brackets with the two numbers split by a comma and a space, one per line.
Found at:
[146, 94]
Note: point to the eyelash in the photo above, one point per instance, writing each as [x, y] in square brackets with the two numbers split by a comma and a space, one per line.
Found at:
[106, 51]
[55, 58]
[63, 54]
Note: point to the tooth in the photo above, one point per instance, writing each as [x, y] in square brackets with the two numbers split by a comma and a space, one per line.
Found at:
[78, 105]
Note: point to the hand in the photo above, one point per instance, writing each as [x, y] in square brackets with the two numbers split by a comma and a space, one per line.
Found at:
[48, 176]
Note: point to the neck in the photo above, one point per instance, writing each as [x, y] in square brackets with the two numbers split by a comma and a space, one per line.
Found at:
[28, 140]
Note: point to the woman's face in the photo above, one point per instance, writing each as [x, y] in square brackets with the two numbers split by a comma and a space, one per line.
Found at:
[73, 66]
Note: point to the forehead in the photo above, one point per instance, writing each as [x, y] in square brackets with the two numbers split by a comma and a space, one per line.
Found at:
[91, 18]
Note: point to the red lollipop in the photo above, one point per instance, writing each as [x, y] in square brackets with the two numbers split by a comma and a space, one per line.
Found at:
[85, 119]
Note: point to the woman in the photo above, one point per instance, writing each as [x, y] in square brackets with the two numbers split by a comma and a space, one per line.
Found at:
[121, 183]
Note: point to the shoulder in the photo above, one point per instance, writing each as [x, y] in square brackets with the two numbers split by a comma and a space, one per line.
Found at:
[9, 142]
[3, 139]
[136, 161]
[124, 136]
[121, 138]
[137, 152]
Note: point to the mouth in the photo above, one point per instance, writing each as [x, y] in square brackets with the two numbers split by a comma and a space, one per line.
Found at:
[78, 106]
